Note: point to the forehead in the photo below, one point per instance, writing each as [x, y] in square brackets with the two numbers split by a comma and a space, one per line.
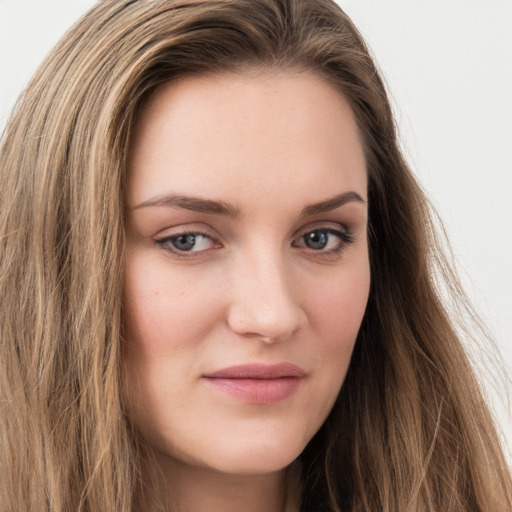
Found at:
[253, 132]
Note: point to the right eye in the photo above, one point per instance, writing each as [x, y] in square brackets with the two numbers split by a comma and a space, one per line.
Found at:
[189, 242]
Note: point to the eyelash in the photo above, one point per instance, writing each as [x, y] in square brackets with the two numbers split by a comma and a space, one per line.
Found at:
[167, 243]
[345, 238]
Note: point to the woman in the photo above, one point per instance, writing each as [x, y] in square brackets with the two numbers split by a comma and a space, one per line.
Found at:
[219, 278]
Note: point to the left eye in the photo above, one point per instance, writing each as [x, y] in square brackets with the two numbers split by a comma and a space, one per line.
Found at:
[187, 242]
[324, 239]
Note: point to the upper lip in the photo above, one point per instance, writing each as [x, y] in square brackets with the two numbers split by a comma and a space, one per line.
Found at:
[258, 371]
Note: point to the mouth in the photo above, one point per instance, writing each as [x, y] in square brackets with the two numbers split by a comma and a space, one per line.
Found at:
[257, 383]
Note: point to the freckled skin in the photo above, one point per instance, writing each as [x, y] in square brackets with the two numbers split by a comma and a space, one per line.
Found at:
[269, 144]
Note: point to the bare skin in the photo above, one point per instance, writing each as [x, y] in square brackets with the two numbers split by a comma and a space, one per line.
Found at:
[246, 247]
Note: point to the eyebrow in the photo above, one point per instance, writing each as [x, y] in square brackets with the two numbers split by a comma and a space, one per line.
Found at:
[198, 204]
[195, 204]
[331, 204]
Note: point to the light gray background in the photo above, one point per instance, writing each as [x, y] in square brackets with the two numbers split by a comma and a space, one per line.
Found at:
[448, 64]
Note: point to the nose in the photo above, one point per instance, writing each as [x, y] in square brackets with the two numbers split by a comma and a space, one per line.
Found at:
[264, 304]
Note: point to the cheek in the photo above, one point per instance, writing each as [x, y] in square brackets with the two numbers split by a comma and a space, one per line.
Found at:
[336, 312]
[166, 315]
[336, 308]
[164, 309]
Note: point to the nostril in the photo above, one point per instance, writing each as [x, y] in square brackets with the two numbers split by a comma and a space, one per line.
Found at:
[268, 325]
[265, 305]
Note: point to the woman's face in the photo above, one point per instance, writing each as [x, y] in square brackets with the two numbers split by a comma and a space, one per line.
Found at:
[247, 271]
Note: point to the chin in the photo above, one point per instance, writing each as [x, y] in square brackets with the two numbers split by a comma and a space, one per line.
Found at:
[236, 456]
[252, 462]
[251, 465]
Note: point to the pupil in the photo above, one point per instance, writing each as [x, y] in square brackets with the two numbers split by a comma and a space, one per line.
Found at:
[316, 239]
[184, 242]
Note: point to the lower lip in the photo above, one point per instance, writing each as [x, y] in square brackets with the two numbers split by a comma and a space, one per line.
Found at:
[257, 391]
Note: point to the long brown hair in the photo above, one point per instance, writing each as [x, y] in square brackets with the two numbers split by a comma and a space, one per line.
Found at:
[410, 430]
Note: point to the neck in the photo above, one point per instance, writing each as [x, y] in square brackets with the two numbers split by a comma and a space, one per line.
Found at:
[179, 487]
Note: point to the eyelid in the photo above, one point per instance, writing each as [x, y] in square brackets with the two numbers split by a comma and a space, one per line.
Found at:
[185, 228]
[345, 235]
[326, 226]
[164, 241]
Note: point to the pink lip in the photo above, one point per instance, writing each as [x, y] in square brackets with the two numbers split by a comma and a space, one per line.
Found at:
[257, 383]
